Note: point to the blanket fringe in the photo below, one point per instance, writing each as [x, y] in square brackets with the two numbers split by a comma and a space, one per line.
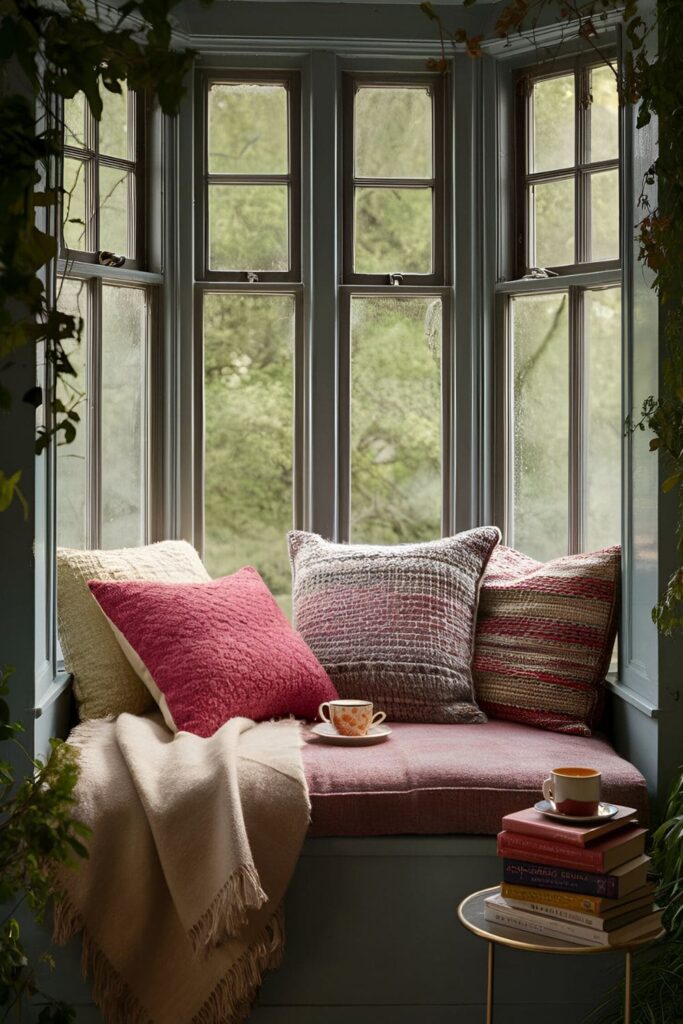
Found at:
[232, 1000]
[228, 912]
[109, 991]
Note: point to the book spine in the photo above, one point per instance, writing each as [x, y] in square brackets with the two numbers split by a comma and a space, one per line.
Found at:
[514, 852]
[555, 898]
[558, 913]
[544, 926]
[543, 831]
[548, 876]
[518, 846]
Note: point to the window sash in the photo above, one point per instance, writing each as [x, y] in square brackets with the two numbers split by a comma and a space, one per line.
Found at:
[580, 169]
[92, 161]
[205, 179]
[440, 263]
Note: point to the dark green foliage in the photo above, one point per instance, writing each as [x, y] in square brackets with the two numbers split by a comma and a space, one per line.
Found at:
[37, 831]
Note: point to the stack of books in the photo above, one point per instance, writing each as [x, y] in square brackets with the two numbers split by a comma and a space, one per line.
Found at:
[585, 885]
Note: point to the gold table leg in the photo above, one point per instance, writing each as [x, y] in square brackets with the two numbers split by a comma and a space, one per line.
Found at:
[627, 989]
[489, 985]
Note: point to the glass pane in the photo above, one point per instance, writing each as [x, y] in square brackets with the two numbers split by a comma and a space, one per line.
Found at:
[604, 111]
[74, 203]
[393, 133]
[541, 424]
[114, 212]
[393, 230]
[71, 391]
[123, 441]
[395, 419]
[248, 227]
[74, 121]
[605, 428]
[114, 123]
[553, 215]
[248, 129]
[248, 409]
[553, 124]
[604, 190]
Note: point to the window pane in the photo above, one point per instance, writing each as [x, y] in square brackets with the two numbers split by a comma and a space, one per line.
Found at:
[114, 212]
[248, 227]
[393, 230]
[248, 129]
[74, 121]
[248, 410]
[553, 214]
[553, 124]
[393, 133]
[541, 424]
[114, 123]
[74, 203]
[71, 391]
[605, 426]
[604, 115]
[604, 191]
[123, 434]
[395, 419]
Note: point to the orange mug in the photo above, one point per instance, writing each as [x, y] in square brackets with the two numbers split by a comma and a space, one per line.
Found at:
[574, 791]
[350, 717]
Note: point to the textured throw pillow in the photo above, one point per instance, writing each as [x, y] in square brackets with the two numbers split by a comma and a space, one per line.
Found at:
[208, 652]
[104, 682]
[395, 624]
[545, 636]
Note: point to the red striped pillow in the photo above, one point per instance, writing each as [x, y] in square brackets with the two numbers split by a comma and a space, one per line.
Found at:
[545, 634]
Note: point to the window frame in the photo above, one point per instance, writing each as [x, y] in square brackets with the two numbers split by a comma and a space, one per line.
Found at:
[137, 194]
[351, 81]
[581, 169]
[291, 79]
[574, 280]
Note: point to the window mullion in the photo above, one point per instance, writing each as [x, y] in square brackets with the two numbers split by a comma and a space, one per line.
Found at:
[577, 421]
[94, 405]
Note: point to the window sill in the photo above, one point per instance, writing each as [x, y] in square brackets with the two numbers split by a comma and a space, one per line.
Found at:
[632, 697]
[59, 684]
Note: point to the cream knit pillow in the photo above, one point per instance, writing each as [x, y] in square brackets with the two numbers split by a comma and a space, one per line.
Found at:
[104, 682]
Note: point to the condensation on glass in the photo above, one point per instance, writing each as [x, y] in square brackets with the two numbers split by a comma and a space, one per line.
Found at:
[249, 177]
[123, 433]
[72, 480]
[249, 423]
[396, 490]
[540, 368]
[393, 179]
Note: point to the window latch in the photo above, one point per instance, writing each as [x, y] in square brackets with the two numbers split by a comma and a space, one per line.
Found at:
[252, 277]
[396, 280]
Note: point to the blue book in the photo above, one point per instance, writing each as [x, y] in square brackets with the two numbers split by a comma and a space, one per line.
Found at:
[618, 883]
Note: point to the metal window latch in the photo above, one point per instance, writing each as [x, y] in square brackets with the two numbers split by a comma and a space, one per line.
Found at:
[396, 280]
[252, 278]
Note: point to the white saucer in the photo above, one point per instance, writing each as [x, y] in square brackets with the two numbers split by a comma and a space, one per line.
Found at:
[605, 812]
[327, 732]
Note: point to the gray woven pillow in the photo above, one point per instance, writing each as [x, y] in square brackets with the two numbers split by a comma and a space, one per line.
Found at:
[104, 682]
[395, 624]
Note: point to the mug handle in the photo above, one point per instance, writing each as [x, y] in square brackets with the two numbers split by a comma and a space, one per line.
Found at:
[378, 718]
[321, 712]
[548, 790]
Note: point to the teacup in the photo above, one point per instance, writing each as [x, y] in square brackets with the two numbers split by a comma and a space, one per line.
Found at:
[350, 717]
[574, 791]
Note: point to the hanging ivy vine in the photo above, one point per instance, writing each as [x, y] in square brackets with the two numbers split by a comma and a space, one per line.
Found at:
[651, 79]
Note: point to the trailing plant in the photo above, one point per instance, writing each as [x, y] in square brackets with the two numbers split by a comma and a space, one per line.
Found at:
[654, 84]
[49, 52]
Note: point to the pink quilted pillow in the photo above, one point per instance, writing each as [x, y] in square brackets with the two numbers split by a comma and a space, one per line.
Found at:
[545, 634]
[212, 651]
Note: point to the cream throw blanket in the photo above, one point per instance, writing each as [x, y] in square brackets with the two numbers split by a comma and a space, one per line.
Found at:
[193, 844]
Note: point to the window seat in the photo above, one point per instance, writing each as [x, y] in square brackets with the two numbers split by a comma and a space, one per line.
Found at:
[440, 779]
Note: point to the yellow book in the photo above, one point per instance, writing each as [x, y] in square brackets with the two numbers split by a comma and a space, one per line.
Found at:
[571, 900]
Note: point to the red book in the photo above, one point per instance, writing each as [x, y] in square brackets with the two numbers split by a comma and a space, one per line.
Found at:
[601, 857]
[529, 822]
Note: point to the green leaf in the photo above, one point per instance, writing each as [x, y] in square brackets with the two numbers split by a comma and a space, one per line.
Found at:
[672, 481]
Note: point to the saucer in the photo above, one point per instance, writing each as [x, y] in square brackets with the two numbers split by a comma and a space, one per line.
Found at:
[605, 812]
[327, 732]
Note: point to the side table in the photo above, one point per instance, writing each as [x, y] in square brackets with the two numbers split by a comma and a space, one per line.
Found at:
[471, 914]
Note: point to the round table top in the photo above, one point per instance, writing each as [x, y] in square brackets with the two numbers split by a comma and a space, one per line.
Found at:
[471, 914]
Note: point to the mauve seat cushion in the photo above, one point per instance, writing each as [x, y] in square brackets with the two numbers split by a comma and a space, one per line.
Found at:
[435, 779]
